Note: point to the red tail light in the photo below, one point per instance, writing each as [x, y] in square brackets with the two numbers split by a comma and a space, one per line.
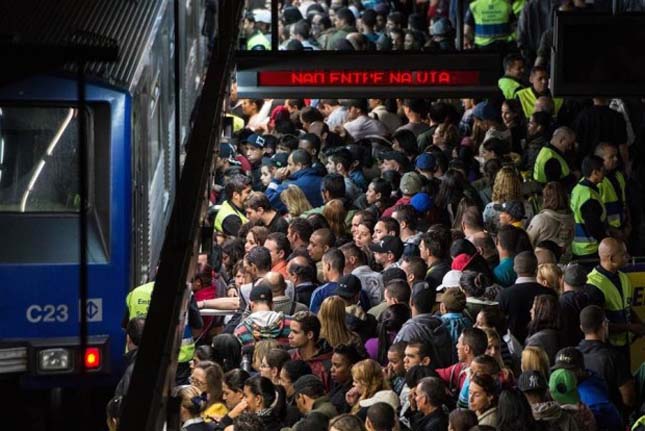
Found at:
[92, 358]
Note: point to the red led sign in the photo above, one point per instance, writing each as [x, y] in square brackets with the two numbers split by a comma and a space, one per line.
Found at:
[368, 78]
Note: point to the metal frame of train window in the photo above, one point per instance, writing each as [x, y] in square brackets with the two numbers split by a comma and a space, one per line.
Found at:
[480, 71]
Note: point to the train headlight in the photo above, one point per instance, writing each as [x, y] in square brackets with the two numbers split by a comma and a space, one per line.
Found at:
[55, 360]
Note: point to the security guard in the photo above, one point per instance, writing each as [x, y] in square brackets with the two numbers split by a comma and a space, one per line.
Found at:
[539, 79]
[588, 210]
[230, 216]
[488, 23]
[550, 164]
[612, 190]
[252, 29]
[610, 288]
[511, 82]
[138, 303]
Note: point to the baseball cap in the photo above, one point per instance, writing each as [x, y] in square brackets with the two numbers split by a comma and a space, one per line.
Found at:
[387, 396]
[563, 387]
[348, 286]
[531, 381]
[388, 244]
[279, 160]
[421, 202]
[486, 111]
[306, 382]
[410, 183]
[426, 162]
[569, 358]
[393, 273]
[461, 261]
[513, 208]
[255, 140]
[451, 279]
[226, 151]
[454, 299]
[396, 156]
[261, 292]
[440, 27]
[575, 275]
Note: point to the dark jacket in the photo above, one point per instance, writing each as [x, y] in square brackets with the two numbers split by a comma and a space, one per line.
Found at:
[608, 363]
[516, 302]
[534, 20]
[426, 328]
[435, 421]
[337, 396]
[548, 340]
[124, 383]
[307, 179]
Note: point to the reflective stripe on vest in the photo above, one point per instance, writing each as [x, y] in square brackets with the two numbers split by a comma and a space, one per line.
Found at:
[226, 210]
[258, 42]
[527, 99]
[492, 20]
[583, 243]
[613, 199]
[617, 306]
[546, 153]
[509, 86]
[138, 303]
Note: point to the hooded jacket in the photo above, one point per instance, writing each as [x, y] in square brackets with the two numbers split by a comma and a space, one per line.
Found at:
[551, 412]
[307, 179]
[264, 325]
[556, 226]
[426, 328]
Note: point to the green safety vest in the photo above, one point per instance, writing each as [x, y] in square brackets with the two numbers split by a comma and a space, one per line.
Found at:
[517, 6]
[509, 86]
[617, 303]
[639, 424]
[258, 42]
[528, 98]
[492, 21]
[138, 303]
[583, 243]
[614, 200]
[226, 210]
[547, 153]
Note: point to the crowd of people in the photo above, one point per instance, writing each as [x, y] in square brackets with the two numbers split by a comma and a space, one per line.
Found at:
[413, 264]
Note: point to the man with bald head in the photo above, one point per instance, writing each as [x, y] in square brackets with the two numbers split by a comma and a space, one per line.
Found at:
[611, 289]
[302, 273]
[550, 164]
[613, 191]
[281, 301]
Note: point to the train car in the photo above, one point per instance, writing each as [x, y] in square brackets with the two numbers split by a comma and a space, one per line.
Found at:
[132, 111]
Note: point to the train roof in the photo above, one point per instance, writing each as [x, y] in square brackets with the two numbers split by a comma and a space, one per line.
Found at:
[129, 23]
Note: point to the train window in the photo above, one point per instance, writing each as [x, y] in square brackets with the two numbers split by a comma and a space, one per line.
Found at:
[155, 144]
[39, 159]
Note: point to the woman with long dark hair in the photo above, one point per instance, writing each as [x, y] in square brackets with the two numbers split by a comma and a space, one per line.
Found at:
[544, 325]
[450, 194]
[378, 196]
[391, 321]
[263, 399]
[514, 412]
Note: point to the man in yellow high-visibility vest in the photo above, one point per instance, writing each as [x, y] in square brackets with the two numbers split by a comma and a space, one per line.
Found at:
[588, 210]
[539, 79]
[613, 192]
[611, 289]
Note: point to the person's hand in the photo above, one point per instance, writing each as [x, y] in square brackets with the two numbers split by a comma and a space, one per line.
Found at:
[352, 396]
[388, 372]
[281, 173]
[238, 409]
[412, 399]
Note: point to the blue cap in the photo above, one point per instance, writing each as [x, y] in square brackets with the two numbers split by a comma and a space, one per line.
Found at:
[255, 140]
[426, 162]
[440, 27]
[486, 111]
[226, 151]
[421, 202]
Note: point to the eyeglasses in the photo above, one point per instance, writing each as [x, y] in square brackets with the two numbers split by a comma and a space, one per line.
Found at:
[193, 381]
